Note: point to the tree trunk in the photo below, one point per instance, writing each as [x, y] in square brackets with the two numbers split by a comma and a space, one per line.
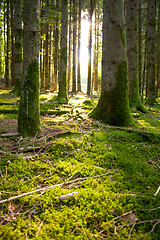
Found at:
[151, 90]
[56, 48]
[62, 94]
[70, 48]
[1, 42]
[113, 105]
[29, 110]
[12, 45]
[132, 54]
[46, 59]
[7, 49]
[90, 50]
[158, 54]
[140, 45]
[74, 45]
[97, 51]
[18, 45]
[79, 46]
[42, 46]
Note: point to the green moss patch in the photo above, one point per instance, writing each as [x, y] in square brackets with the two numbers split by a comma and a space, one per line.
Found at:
[111, 173]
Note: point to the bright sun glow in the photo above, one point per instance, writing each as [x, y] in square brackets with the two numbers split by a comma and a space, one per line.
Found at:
[84, 48]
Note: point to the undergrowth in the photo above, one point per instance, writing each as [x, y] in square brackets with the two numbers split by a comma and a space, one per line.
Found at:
[111, 173]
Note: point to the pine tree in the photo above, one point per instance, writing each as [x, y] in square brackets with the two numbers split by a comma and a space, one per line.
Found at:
[29, 110]
[113, 105]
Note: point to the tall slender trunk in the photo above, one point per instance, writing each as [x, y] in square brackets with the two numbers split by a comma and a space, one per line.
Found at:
[79, 46]
[7, 49]
[97, 52]
[89, 77]
[132, 54]
[49, 55]
[1, 41]
[18, 45]
[74, 45]
[47, 84]
[151, 19]
[42, 47]
[29, 110]
[62, 94]
[56, 48]
[158, 54]
[140, 45]
[69, 48]
[12, 44]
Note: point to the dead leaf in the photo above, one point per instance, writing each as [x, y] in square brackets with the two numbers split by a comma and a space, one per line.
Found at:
[130, 217]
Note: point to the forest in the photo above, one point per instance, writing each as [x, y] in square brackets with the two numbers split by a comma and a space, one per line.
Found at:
[79, 119]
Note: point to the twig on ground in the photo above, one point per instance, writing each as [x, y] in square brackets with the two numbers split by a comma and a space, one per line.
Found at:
[157, 191]
[53, 186]
[129, 237]
[2, 152]
[39, 228]
[152, 209]
[137, 223]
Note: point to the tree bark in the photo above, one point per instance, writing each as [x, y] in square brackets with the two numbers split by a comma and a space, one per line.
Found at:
[74, 80]
[42, 45]
[70, 48]
[89, 77]
[12, 44]
[62, 94]
[79, 48]
[140, 45]
[132, 53]
[46, 44]
[113, 105]
[151, 19]
[29, 110]
[56, 48]
[7, 49]
[1, 43]
[18, 45]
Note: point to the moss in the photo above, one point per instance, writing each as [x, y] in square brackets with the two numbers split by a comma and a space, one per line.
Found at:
[113, 105]
[62, 94]
[29, 110]
[141, 108]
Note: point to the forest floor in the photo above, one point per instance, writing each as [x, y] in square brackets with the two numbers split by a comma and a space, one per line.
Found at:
[78, 178]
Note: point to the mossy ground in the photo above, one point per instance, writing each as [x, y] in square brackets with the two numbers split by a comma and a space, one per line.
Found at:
[72, 146]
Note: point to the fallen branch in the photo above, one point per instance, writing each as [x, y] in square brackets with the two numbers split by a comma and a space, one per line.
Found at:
[53, 186]
[66, 196]
[9, 134]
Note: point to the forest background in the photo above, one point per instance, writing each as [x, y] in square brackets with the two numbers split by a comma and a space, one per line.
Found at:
[70, 171]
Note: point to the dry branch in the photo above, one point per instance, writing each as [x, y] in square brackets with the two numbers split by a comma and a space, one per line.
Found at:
[9, 134]
[66, 196]
[53, 186]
